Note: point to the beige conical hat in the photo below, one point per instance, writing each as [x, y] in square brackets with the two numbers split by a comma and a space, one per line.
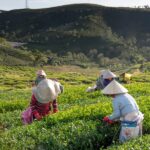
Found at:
[45, 91]
[114, 88]
[108, 74]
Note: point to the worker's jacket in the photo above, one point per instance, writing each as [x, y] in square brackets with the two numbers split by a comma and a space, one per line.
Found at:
[100, 83]
[40, 108]
[38, 80]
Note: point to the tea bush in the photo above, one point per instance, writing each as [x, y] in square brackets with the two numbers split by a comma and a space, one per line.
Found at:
[77, 125]
[136, 144]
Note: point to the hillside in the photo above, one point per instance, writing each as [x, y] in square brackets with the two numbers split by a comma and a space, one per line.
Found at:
[12, 56]
[104, 35]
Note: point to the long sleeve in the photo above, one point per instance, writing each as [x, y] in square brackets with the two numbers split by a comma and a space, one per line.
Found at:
[33, 101]
[122, 105]
[33, 104]
[39, 109]
[99, 83]
[55, 106]
[61, 88]
[116, 113]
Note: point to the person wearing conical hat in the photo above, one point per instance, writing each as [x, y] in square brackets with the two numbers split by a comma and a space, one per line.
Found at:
[43, 95]
[108, 76]
[99, 83]
[103, 80]
[41, 75]
[125, 109]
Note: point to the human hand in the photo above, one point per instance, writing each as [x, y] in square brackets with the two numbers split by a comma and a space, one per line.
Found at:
[55, 110]
[106, 119]
[38, 117]
[49, 113]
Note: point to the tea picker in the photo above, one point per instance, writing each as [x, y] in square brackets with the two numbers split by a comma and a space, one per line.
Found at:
[106, 76]
[41, 75]
[43, 96]
[126, 110]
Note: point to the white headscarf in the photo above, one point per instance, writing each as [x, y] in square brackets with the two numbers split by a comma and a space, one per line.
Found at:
[41, 73]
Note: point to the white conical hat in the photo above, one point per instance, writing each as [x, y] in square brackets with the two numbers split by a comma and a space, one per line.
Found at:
[114, 88]
[108, 74]
[41, 72]
[45, 91]
[57, 87]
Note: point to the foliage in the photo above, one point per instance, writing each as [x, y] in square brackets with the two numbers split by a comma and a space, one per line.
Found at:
[140, 143]
[88, 34]
[78, 124]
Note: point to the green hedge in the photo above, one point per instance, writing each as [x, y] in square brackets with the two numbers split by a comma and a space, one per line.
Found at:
[142, 143]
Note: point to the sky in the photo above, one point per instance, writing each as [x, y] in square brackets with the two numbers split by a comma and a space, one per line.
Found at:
[19, 4]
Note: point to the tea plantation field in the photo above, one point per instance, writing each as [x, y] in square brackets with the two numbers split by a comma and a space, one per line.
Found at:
[78, 125]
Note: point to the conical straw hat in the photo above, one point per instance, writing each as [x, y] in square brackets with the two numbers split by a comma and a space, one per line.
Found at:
[57, 86]
[108, 74]
[114, 88]
[45, 91]
[41, 72]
